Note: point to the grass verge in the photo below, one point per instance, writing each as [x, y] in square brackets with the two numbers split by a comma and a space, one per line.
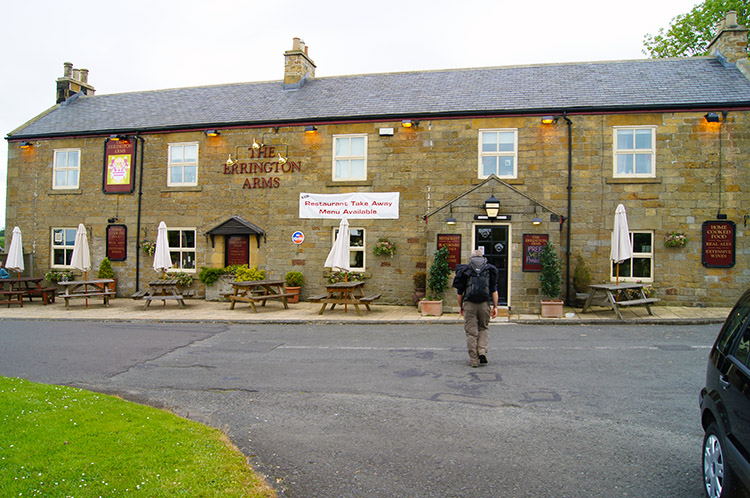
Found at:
[64, 442]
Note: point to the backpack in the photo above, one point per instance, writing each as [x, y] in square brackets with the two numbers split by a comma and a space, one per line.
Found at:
[478, 287]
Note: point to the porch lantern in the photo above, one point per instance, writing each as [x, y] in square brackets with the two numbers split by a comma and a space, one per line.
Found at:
[492, 207]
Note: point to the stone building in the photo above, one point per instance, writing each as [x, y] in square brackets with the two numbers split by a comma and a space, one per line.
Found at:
[228, 167]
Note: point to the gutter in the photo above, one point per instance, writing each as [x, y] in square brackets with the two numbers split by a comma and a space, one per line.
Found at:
[570, 205]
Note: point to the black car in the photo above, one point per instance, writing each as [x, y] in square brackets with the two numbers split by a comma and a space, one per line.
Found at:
[725, 408]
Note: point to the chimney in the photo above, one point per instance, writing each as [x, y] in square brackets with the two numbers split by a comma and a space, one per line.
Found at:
[72, 82]
[730, 43]
[297, 65]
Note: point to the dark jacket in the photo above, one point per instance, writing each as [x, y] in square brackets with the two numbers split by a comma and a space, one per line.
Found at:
[463, 272]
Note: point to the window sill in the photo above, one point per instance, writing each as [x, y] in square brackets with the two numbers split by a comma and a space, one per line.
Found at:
[509, 181]
[633, 180]
[65, 191]
[349, 183]
[192, 188]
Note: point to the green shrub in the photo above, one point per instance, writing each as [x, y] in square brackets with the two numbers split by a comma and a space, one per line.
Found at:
[341, 276]
[183, 279]
[550, 277]
[244, 273]
[105, 269]
[420, 280]
[294, 279]
[210, 275]
[437, 281]
[581, 275]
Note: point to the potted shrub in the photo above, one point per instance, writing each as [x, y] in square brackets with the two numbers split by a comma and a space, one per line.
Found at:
[420, 283]
[294, 281]
[105, 271]
[437, 282]
[551, 281]
[581, 279]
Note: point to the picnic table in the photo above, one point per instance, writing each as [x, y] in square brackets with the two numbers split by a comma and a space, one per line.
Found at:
[258, 291]
[618, 295]
[164, 289]
[345, 293]
[75, 289]
[21, 287]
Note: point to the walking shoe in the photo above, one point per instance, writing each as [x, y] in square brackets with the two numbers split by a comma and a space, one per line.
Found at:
[482, 358]
[473, 363]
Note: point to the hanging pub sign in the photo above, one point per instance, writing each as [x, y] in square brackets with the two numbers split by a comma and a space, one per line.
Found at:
[117, 242]
[119, 166]
[718, 244]
[453, 242]
[532, 250]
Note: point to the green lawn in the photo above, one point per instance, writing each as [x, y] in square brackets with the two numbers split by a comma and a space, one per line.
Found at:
[64, 442]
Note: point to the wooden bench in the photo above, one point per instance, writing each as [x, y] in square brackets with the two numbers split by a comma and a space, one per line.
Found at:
[139, 294]
[8, 294]
[318, 298]
[105, 295]
[262, 298]
[369, 299]
[46, 293]
[636, 302]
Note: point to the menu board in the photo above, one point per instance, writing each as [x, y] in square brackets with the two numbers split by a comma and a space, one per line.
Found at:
[453, 242]
[532, 250]
[718, 244]
[117, 242]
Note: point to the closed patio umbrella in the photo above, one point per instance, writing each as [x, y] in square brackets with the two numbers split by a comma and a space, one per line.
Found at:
[162, 260]
[622, 249]
[15, 252]
[338, 258]
[81, 258]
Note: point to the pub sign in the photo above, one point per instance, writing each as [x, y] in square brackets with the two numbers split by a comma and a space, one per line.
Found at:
[718, 244]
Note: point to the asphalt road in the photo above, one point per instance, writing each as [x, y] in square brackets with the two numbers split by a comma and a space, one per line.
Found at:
[395, 411]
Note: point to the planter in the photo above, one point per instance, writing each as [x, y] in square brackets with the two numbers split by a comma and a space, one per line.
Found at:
[432, 308]
[222, 286]
[418, 295]
[113, 285]
[292, 290]
[552, 309]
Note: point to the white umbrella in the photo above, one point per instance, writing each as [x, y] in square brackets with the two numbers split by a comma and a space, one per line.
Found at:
[81, 259]
[622, 250]
[338, 258]
[162, 260]
[15, 252]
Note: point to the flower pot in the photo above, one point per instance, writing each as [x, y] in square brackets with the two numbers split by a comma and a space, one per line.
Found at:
[552, 308]
[432, 308]
[112, 286]
[418, 295]
[292, 290]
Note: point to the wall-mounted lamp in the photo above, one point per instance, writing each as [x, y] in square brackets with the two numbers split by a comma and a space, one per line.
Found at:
[212, 133]
[713, 117]
[310, 129]
[536, 221]
[451, 220]
[229, 160]
[282, 160]
[117, 138]
[112, 220]
[549, 119]
[492, 206]
[409, 123]
[25, 145]
[255, 145]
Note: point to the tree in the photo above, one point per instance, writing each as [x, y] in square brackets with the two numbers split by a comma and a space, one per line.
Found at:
[689, 34]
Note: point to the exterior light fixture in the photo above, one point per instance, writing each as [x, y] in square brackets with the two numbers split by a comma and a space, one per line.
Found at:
[229, 160]
[451, 220]
[712, 117]
[492, 207]
[409, 123]
[549, 119]
[255, 145]
[282, 160]
[25, 145]
[536, 221]
[310, 129]
[212, 133]
[117, 138]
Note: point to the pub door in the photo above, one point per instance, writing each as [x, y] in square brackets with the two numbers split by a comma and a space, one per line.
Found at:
[237, 251]
[494, 240]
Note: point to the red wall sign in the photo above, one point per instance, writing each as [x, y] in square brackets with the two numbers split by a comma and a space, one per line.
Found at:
[117, 242]
[532, 250]
[453, 243]
[718, 244]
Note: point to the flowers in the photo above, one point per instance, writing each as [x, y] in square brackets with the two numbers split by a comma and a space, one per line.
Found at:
[384, 247]
[148, 247]
[676, 239]
[57, 276]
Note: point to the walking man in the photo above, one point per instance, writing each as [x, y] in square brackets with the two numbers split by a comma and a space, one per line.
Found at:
[476, 285]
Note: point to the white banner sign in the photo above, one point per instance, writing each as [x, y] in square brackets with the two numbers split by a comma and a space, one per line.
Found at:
[381, 205]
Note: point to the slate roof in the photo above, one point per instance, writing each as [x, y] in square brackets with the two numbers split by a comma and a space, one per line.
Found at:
[577, 87]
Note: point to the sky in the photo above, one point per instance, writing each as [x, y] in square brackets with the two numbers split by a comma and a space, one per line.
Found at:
[155, 44]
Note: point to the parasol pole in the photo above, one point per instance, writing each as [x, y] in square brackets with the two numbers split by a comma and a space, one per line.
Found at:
[85, 278]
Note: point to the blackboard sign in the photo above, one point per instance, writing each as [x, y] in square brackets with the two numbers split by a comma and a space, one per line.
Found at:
[117, 242]
[453, 242]
[718, 244]
[532, 250]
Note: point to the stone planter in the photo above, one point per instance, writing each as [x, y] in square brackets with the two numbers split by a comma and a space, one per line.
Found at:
[222, 286]
[552, 309]
[432, 308]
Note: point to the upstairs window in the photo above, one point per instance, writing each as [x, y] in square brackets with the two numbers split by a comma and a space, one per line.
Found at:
[66, 168]
[183, 165]
[498, 153]
[634, 152]
[349, 157]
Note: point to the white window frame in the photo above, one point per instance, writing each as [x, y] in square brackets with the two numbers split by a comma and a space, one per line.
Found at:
[498, 154]
[172, 163]
[65, 168]
[617, 152]
[176, 252]
[352, 248]
[636, 255]
[348, 158]
[66, 248]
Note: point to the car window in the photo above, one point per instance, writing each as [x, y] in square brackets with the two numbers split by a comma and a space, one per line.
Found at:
[734, 323]
[743, 347]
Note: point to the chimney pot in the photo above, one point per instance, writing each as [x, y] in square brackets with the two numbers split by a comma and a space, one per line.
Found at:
[67, 70]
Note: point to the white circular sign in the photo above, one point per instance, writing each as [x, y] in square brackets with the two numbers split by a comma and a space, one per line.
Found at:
[298, 237]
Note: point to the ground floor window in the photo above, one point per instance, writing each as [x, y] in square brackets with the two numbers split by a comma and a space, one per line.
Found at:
[182, 248]
[63, 240]
[639, 268]
[356, 248]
